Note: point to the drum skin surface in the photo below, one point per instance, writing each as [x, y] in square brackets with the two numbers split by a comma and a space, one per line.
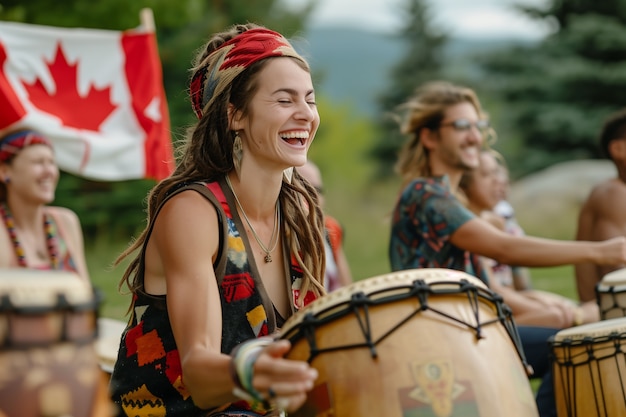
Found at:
[425, 342]
[589, 364]
[47, 354]
[109, 335]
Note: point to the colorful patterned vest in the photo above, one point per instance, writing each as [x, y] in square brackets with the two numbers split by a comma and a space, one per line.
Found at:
[147, 379]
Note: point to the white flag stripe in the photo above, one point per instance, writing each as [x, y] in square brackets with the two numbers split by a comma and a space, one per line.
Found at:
[94, 129]
[76, 43]
[119, 158]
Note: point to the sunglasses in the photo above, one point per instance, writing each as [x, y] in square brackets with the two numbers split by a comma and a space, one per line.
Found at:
[463, 125]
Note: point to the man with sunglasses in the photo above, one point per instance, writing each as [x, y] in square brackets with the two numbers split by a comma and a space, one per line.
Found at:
[446, 129]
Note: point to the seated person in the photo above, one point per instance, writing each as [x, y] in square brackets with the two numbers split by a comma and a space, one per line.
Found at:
[34, 234]
[530, 307]
[337, 268]
[602, 215]
[519, 275]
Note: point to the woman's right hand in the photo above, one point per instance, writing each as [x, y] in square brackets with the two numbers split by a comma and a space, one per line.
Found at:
[284, 382]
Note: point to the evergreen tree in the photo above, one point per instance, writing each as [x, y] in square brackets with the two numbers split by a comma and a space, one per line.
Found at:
[423, 62]
[559, 91]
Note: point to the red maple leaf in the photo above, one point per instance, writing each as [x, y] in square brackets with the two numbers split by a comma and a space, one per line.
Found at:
[66, 103]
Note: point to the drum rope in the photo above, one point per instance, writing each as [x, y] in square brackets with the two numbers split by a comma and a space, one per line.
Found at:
[614, 307]
[359, 303]
[590, 359]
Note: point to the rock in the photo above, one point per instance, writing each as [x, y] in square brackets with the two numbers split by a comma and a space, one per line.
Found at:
[547, 202]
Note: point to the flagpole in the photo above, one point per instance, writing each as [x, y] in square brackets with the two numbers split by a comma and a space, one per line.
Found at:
[146, 17]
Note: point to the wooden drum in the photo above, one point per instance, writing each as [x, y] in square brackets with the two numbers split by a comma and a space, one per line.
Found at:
[427, 342]
[611, 295]
[590, 369]
[109, 335]
[47, 356]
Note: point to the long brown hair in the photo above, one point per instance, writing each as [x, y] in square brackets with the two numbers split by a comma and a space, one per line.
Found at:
[207, 155]
[425, 110]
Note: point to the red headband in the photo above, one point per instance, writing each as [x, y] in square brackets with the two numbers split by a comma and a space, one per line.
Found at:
[221, 67]
[11, 145]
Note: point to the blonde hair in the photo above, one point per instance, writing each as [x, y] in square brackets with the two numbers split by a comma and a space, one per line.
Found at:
[425, 110]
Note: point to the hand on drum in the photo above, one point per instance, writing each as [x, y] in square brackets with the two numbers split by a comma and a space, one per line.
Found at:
[279, 382]
[612, 251]
[284, 381]
[554, 310]
[567, 313]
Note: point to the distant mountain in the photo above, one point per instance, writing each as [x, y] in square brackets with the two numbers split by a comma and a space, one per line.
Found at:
[352, 65]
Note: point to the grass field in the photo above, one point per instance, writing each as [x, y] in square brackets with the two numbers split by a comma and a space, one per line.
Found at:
[367, 230]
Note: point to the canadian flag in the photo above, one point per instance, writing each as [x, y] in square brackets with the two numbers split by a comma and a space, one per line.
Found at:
[96, 94]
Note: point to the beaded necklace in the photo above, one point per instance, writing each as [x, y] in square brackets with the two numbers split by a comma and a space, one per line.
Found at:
[48, 226]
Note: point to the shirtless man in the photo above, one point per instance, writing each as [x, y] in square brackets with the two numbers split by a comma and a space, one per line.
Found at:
[603, 215]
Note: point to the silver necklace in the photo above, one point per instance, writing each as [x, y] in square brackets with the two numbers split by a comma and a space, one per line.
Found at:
[273, 238]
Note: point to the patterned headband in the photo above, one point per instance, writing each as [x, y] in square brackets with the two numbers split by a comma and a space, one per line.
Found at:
[220, 68]
[11, 145]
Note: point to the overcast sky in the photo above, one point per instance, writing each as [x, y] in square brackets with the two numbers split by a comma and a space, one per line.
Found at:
[465, 18]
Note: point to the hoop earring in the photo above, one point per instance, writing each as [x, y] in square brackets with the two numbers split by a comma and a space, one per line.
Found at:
[237, 153]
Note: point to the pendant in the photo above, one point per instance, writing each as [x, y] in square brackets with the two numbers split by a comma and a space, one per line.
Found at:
[268, 258]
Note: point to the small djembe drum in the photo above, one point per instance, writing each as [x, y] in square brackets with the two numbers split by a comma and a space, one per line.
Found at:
[611, 295]
[589, 363]
[109, 335]
[47, 355]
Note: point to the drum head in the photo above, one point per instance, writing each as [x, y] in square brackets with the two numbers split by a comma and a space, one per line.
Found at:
[592, 330]
[32, 288]
[381, 285]
[613, 279]
[109, 334]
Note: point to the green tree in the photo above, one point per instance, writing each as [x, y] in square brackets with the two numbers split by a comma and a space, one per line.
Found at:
[558, 92]
[423, 61]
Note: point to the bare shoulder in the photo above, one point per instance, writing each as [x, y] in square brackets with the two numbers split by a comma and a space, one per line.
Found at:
[64, 214]
[607, 190]
[188, 201]
[187, 210]
[606, 197]
[187, 227]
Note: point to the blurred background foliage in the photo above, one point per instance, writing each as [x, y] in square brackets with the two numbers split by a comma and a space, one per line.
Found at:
[547, 100]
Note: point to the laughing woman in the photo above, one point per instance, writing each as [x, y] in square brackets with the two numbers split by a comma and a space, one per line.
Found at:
[232, 246]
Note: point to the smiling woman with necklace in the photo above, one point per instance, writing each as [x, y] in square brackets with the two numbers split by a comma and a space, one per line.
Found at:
[233, 246]
[33, 234]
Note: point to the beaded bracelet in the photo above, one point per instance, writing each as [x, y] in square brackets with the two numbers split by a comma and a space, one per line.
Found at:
[578, 316]
[242, 369]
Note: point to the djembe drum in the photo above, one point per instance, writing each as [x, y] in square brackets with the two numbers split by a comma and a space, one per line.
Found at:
[589, 364]
[47, 356]
[611, 295]
[109, 335]
[427, 342]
